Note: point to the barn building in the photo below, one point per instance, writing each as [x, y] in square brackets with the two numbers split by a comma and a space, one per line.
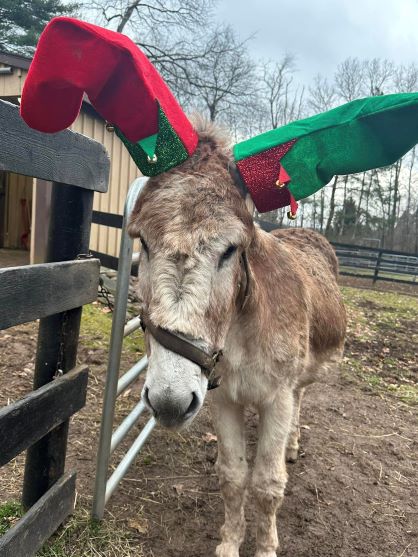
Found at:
[24, 202]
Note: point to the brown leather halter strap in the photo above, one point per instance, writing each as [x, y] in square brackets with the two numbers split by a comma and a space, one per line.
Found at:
[205, 360]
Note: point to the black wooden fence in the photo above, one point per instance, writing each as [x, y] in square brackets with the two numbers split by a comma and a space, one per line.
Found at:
[54, 293]
[377, 264]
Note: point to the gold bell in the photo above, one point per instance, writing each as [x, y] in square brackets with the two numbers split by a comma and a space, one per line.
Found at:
[152, 160]
[280, 184]
[110, 127]
[291, 216]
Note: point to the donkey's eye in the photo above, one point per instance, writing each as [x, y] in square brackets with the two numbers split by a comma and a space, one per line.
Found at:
[227, 254]
[144, 245]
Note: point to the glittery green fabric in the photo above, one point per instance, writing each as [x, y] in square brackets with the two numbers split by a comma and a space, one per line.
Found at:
[169, 149]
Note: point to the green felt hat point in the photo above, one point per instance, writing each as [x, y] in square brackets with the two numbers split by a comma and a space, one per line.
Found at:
[159, 152]
[149, 145]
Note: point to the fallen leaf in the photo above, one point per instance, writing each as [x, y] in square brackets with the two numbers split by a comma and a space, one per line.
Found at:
[209, 437]
[140, 525]
[179, 488]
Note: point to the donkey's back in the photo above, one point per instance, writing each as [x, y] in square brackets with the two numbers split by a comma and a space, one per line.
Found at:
[319, 266]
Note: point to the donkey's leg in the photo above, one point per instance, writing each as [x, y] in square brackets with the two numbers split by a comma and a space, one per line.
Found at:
[269, 474]
[292, 450]
[232, 470]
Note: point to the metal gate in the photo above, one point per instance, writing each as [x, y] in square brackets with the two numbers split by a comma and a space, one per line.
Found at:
[115, 386]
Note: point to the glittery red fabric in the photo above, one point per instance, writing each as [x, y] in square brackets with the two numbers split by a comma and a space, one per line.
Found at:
[260, 173]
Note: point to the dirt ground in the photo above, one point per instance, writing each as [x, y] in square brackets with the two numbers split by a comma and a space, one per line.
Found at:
[353, 491]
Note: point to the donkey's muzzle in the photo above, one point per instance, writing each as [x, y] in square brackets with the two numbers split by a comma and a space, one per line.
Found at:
[172, 411]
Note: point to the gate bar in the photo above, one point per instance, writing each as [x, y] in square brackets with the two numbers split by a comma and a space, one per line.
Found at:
[101, 494]
[131, 375]
[126, 426]
[132, 325]
[127, 460]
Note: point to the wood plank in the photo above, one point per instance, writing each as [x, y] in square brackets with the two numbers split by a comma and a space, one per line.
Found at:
[31, 418]
[66, 157]
[112, 262]
[107, 219]
[34, 291]
[28, 535]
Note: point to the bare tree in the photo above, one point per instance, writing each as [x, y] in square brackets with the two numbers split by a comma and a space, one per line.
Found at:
[144, 16]
[349, 79]
[406, 78]
[378, 75]
[169, 32]
[322, 94]
[207, 67]
[223, 80]
[284, 101]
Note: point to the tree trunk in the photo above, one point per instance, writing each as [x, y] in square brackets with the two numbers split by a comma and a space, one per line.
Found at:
[331, 206]
[359, 207]
[322, 211]
[341, 232]
[127, 15]
[408, 201]
[392, 219]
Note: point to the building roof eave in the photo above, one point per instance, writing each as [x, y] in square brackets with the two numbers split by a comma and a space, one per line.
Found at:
[15, 60]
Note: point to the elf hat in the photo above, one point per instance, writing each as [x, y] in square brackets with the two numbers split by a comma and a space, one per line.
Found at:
[290, 163]
[278, 167]
[73, 58]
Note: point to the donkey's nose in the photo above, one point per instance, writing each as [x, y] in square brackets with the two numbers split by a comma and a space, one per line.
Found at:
[172, 411]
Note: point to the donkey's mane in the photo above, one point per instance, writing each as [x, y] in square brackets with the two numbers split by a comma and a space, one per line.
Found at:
[197, 200]
[214, 147]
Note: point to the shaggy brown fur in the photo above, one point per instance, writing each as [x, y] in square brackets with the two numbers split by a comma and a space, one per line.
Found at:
[291, 327]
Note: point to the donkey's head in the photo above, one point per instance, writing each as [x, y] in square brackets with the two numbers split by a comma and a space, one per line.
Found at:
[194, 228]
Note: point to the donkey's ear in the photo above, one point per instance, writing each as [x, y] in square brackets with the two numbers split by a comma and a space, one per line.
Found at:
[73, 58]
[293, 162]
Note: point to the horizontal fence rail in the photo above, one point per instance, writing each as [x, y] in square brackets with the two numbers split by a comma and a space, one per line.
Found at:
[26, 421]
[377, 264]
[66, 157]
[111, 220]
[35, 291]
[41, 520]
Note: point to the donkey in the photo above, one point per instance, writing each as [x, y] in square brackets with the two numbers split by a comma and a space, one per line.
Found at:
[211, 280]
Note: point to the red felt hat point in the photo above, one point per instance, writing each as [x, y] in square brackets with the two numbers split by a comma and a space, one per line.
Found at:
[74, 57]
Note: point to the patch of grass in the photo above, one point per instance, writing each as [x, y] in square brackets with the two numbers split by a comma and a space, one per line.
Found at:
[96, 324]
[81, 536]
[382, 342]
[10, 513]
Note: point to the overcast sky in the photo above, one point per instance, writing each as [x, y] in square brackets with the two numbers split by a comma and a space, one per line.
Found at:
[322, 33]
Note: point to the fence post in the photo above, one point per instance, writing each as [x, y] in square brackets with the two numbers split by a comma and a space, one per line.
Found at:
[68, 237]
[377, 266]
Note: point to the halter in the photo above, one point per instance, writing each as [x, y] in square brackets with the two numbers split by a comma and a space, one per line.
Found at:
[205, 359]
